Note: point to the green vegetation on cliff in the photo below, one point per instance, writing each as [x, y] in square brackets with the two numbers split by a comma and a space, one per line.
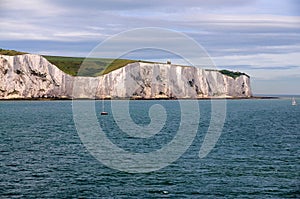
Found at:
[11, 52]
[79, 65]
[87, 66]
[94, 66]
[232, 73]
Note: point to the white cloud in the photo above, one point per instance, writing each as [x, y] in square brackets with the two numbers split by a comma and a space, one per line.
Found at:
[264, 66]
[261, 60]
[80, 35]
[39, 8]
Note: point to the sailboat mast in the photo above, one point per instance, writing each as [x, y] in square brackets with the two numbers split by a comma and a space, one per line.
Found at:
[102, 104]
[294, 103]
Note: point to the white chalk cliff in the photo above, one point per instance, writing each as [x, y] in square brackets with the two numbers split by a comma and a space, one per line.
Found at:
[32, 76]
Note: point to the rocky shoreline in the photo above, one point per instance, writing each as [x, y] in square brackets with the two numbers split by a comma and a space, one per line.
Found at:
[140, 99]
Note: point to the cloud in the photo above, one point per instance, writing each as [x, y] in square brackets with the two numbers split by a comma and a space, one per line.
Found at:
[261, 60]
[121, 5]
[250, 67]
[39, 8]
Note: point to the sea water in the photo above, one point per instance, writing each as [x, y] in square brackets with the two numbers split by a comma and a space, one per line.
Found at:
[256, 156]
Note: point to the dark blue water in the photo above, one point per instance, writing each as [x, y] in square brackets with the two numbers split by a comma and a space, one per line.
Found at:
[257, 155]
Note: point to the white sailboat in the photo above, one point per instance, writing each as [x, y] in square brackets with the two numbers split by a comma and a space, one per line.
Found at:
[294, 103]
[103, 111]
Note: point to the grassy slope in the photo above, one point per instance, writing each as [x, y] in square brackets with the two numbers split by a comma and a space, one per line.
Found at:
[232, 73]
[10, 52]
[93, 66]
[87, 67]
[229, 73]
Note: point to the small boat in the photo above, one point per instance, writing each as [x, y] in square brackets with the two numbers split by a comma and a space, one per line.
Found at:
[104, 113]
[294, 103]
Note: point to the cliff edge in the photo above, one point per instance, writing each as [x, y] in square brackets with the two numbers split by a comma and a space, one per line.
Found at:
[32, 76]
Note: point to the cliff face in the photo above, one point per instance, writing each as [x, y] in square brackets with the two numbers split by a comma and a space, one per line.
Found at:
[32, 76]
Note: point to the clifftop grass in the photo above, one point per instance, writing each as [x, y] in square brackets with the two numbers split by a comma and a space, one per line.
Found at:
[94, 66]
[11, 52]
[232, 73]
[87, 66]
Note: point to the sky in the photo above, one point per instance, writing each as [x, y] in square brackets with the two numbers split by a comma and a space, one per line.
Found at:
[258, 37]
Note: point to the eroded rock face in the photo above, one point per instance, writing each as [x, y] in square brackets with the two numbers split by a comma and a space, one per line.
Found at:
[32, 76]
